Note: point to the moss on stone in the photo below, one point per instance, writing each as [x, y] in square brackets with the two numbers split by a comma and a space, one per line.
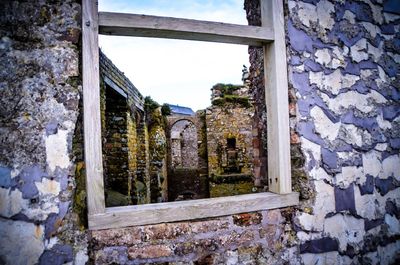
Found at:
[79, 202]
[233, 99]
[165, 109]
[150, 104]
[230, 189]
[226, 89]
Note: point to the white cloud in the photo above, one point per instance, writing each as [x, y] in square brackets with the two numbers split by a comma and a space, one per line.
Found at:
[176, 71]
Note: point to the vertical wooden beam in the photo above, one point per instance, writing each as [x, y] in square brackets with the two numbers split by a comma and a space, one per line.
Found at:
[91, 108]
[276, 86]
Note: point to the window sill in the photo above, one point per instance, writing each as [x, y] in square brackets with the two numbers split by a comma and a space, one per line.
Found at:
[118, 217]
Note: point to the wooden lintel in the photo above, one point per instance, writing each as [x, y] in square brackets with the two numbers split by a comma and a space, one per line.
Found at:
[121, 24]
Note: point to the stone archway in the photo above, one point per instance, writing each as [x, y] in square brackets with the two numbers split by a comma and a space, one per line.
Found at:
[184, 178]
[183, 144]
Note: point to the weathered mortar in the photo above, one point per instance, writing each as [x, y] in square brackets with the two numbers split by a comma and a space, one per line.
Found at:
[346, 84]
[40, 89]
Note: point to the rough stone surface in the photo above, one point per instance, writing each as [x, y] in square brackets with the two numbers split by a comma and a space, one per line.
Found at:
[21, 242]
[346, 122]
[40, 90]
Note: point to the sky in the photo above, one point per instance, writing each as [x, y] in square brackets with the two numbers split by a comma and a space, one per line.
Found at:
[177, 71]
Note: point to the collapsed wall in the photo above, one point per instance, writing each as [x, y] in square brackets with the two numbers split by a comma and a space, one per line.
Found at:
[229, 122]
[343, 59]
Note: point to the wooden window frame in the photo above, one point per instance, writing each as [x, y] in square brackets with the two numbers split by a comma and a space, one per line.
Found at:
[270, 36]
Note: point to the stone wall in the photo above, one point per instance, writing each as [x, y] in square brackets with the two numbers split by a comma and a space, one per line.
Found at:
[123, 127]
[202, 140]
[187, 165]
[142, 181]
[115, 143]
[184, 151]
[344, 74]
[40, 88]
[157, 156]
[122, 108]
[344, 91]
[229, 119]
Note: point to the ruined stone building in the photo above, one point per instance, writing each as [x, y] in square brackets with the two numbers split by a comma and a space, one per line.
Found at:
[230, 140]
[150, 156]
[343, 65]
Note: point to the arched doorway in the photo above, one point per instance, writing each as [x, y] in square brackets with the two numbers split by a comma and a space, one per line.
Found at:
[184, 180]
[184, 151]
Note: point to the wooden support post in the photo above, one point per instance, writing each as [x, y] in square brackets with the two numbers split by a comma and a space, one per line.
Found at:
[276, 88]
[91, 109]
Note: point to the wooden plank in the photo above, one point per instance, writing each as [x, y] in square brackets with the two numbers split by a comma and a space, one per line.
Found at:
[177, 28]
[276, 85]
[187, 210]
[91, 108]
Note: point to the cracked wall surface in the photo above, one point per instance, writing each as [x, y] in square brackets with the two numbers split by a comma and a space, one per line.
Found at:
[343, 60]
[40, 87]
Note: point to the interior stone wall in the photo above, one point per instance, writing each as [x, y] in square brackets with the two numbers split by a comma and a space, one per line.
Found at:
[343, 59]
[187, 166]
[122, 116]
[115, 143]
[142, 181]
[202, 140]
[157, 156]
[184, 150]
[231, 120]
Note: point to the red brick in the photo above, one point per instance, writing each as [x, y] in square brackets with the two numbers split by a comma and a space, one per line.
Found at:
[117, 237]
[151, 251]
[246, 219]
[294, 138]
[292, 109]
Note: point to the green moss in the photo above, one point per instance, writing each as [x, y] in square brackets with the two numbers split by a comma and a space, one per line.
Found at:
[157, 143]
[114, 198]
[230, 189]
[79, 205]
[165, 109]
[233, 99]
[150, 104]
[202, 151]
[226, 89]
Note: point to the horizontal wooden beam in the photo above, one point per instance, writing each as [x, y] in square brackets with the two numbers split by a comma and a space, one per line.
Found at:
[122, 24]
[116, 217]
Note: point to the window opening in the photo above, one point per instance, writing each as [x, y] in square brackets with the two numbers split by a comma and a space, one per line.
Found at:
[270, 36]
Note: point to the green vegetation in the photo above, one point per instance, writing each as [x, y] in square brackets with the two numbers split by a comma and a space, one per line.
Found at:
[227, 96]
[226, 89]
[240, 100]
[165, 109]
[150, 104]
